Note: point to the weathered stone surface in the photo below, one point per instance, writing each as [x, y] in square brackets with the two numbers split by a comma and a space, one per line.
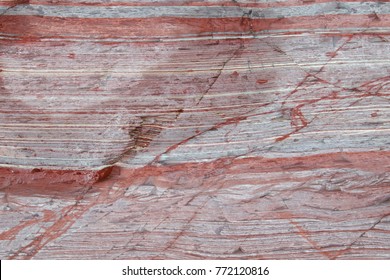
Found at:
[194, 129]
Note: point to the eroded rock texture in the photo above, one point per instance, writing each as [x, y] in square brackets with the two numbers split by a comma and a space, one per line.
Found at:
[194, 129]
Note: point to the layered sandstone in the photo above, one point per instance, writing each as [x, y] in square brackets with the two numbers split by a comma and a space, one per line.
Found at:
[163, 129]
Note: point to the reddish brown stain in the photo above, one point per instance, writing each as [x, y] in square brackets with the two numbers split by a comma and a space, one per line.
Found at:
[47, 177]
[261, 81]
[53, 179]
[168, 26]
[234, 75]
[331, 54]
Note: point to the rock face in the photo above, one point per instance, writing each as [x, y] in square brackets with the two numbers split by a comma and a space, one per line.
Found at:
[162, 129]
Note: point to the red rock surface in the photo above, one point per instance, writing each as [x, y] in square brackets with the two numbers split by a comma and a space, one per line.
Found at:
[194, 129]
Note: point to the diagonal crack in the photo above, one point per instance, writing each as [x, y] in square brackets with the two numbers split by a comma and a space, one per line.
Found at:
[233, 120]
[215, 78]
[362, 234]
[369, 229]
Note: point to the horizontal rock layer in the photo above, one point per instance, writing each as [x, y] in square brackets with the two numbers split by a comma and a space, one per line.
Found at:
[163, 129]
[333, 206]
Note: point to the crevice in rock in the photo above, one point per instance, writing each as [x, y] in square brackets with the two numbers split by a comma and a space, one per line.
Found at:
[215, 78]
